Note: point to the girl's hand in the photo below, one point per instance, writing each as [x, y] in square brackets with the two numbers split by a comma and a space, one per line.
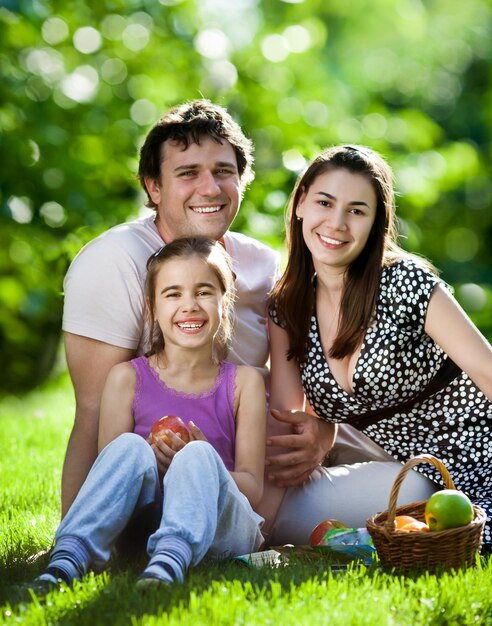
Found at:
[195, 433]
[164, 454]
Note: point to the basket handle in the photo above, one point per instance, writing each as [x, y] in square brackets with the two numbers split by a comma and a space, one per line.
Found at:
[409, 465]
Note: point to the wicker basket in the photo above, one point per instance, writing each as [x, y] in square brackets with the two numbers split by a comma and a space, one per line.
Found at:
[405, 551]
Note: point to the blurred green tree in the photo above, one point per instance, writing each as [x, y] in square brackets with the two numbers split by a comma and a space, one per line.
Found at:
[82, 82]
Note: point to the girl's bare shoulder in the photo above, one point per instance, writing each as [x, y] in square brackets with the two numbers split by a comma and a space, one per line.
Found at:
[122, 374]
[248, 377]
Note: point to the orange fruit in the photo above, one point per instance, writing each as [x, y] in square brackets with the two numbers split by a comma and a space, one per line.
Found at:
[407, 522]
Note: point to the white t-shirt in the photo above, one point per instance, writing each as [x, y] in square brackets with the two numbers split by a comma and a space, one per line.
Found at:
[104, 290]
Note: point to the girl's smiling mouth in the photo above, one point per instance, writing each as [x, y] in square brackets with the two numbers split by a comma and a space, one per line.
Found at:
[191, 326]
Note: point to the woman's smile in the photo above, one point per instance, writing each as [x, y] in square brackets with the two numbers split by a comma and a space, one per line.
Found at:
[330, 242]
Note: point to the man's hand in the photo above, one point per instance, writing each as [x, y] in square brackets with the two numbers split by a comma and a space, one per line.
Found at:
[307, 446]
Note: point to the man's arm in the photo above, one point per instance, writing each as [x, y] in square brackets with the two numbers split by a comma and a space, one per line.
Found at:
[89, 362]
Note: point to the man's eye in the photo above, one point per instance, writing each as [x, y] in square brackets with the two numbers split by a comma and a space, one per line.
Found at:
[204, 293]
[172, 294]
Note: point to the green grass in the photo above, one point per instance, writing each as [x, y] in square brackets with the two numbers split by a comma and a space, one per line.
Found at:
[34, 432]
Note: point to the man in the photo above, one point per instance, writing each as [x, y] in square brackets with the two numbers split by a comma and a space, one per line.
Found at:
[194, 166]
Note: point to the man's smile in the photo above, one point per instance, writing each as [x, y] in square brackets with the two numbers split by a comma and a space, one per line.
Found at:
[207, 209]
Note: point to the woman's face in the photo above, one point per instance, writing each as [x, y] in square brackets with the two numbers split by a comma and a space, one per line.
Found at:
[338, 211]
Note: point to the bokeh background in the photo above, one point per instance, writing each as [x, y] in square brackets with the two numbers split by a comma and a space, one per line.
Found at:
[81, 82]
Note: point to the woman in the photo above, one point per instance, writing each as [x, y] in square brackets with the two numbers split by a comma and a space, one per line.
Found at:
[371, 337]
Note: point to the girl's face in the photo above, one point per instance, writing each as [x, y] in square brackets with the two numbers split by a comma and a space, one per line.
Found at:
[338, 211]
[189, 302]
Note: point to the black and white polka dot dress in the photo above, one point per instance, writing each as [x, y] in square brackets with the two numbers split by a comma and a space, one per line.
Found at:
[396, 361]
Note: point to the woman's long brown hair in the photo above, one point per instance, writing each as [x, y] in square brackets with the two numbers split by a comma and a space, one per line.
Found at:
[294, 295]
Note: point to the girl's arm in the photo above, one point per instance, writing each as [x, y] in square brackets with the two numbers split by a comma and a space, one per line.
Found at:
[450, 327]
[116, 415]
[250, 433]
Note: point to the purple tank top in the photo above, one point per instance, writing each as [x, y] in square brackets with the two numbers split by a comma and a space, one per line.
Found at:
[212, 411]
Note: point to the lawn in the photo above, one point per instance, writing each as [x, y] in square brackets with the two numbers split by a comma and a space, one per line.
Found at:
[35, 430]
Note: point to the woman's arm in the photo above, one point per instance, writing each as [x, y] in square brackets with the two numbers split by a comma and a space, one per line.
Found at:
[450, 327]
[305, 438]
[116, 415]
[286, 392]
[296, 440]
[250, 433]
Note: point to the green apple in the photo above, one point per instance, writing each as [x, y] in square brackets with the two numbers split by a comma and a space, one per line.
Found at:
[448, 509]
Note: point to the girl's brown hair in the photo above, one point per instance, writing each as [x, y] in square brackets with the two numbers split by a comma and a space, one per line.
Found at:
[294, 295]
[214, 254]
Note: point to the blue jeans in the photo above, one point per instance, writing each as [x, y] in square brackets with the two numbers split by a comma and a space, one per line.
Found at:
[202, 504]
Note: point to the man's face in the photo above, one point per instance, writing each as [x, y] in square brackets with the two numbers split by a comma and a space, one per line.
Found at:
[199, 191]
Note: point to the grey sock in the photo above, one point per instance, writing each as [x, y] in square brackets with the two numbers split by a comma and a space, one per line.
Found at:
[171, 558]
[69, 560]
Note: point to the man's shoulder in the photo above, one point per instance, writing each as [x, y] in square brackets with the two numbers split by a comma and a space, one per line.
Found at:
[141, 229]
[136, 239]
[239, 245]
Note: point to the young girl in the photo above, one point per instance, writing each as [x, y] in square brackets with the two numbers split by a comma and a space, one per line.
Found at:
[371, 337]
[207, 488]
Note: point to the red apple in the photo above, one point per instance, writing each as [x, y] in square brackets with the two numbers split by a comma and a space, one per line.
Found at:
[169, 422]
[318, 534]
